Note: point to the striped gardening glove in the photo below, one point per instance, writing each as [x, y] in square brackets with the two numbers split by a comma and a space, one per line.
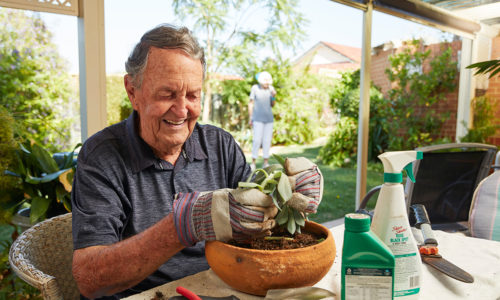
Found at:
[223, 215]
[306, 182]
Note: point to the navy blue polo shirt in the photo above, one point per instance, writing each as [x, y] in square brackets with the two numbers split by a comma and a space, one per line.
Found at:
[121, 188]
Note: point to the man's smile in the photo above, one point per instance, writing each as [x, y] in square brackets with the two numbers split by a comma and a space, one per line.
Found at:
[171, 122]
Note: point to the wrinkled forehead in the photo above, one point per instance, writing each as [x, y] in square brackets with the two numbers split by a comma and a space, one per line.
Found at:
[173, 65]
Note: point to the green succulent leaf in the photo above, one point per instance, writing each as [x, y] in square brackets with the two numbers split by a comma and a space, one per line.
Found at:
[284, 188]
[275, 195]
[282, 216]
[271, 182]
[244, 184]
[261, 175]
[269, 190]
[280, 159]
[299, 218]
[291, 226]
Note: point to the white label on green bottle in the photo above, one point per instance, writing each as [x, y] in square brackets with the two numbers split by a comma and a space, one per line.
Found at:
[368, 283]
[406, 279]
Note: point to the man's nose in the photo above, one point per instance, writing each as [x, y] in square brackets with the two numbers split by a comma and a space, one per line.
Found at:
[180, 106]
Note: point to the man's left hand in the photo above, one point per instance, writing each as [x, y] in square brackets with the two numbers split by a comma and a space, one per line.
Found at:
[307, 184]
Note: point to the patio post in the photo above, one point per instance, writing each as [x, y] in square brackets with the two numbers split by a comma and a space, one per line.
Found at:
[92, 67]
[364, 105]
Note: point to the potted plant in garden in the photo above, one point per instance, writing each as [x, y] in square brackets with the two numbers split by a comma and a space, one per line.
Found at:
[46, 182]
[247, 268]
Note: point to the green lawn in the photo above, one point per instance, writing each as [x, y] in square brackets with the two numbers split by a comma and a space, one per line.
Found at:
[339, 191]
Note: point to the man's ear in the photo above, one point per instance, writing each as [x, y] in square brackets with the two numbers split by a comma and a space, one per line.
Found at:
[131, 90]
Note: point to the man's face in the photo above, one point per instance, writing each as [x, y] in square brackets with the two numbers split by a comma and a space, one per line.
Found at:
[168, 101]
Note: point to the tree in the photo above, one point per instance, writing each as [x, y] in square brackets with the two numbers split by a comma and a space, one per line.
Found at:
[340, 149]
[231, 38]
[421, 80]
[33, 81]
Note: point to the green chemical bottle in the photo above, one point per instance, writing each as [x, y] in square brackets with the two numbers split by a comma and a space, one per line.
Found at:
[367, 263]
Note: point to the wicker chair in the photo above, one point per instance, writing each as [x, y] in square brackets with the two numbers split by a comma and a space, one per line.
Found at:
[42, 256]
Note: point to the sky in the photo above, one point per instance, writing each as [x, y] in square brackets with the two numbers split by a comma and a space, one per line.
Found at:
[127, 20]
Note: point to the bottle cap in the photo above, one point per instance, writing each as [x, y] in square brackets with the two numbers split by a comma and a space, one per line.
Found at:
[357, 222]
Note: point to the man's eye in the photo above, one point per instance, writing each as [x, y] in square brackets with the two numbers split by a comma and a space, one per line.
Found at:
[193, 97]
[165, 95]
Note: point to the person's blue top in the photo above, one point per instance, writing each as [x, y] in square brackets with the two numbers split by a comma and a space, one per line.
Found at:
[262, 109]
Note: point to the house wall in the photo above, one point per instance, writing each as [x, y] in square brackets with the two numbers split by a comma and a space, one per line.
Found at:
[380, 62]
[493, 91]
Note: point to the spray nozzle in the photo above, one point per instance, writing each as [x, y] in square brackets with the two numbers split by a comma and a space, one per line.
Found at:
[395, 162]
[409, 171]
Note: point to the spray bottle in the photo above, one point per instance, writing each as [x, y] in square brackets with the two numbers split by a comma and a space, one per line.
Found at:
[390, 223]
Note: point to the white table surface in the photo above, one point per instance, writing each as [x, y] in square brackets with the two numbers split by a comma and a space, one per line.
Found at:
[479, 257]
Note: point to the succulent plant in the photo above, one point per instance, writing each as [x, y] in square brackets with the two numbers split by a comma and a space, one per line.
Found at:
[270, 180]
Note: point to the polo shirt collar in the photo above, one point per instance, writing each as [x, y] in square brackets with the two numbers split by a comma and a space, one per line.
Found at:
[141, 154]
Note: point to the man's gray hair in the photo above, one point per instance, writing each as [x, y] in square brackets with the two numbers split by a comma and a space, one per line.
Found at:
[164, 36]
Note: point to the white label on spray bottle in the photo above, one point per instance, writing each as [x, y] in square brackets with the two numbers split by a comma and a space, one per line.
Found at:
[406, 279]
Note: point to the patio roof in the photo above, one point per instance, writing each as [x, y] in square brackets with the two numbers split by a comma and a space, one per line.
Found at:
[483, 11]
[461, 17]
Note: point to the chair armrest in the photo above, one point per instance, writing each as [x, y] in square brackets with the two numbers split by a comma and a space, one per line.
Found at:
[22, 267]
[367, 197]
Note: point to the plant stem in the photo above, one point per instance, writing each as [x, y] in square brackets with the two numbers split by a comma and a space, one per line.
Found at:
[277, 238]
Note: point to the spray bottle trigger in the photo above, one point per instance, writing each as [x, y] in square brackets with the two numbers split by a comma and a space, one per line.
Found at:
[409, 171]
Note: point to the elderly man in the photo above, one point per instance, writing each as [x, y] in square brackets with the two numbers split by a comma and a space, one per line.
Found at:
[150, 190]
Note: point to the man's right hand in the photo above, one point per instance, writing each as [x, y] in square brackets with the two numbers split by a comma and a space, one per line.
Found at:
[223, 215]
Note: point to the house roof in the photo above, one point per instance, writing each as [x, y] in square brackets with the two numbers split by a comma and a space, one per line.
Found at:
[329, 59]
[352, 53]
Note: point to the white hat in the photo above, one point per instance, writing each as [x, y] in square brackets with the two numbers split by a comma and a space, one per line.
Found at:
[264, 78]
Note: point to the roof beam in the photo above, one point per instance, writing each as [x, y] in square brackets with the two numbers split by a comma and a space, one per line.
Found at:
[428, 14]
[64, 7]
[420, 12]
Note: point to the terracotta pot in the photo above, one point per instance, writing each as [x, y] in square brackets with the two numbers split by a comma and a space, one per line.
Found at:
[256, 271]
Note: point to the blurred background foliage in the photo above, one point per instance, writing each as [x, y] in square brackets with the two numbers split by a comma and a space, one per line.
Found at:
[34, 83]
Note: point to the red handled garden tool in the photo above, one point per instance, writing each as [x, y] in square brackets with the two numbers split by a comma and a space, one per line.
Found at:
[429, 250]
[190, 295]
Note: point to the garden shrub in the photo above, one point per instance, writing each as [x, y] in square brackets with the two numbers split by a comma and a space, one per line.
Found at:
[10, 187]
[341, 146]
[420, 79]
[300, 103]
[34, 84]
[344, 100]
[125, 108]
[301, 100]
[116, 97]
[484, 122]
[233, 113]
